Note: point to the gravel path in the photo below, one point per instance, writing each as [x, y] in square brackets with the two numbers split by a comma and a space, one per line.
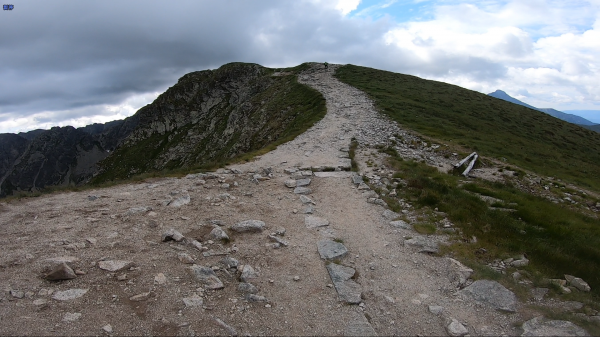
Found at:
[157, 293]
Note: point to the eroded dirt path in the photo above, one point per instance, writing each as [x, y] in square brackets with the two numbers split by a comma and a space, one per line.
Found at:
[126, 222]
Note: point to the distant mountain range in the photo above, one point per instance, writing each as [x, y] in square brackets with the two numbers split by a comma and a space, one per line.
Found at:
[552, 112]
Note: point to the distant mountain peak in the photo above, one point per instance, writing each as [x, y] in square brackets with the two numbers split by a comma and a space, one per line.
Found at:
[552, 112]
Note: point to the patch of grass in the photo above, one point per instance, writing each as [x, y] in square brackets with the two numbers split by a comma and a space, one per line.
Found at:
[495, 128]
[556, 239]
[338, 240]
[425, 228]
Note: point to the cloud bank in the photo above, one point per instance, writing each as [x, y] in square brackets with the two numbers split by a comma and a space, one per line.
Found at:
[74, 63]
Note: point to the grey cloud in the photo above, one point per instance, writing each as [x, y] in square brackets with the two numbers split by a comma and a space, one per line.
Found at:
[72, 56]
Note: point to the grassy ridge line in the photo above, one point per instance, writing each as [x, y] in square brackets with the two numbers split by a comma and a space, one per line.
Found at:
[493, 127]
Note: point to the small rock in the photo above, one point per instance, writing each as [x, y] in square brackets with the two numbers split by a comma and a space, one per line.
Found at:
[460, 272]
[296, 278]
[313, 221]
[492, 293]
[113, 266]
[308, 210]
[247, 288]
[229, 262]
[278, 240]
[256, 298]
[390, 215]
[61, 272]
[248, 226]
[17, 294]
[539, 293]
[279, 231]
[435, 309]
[184, 200]
[193, 301]
[303, 182]
[70, 294]
[160, 279]
[248, 273]
[185, 258]
[172, 234]
[302, 190]
[92, 197]
[140, 297]
[217, 234]
[578, 283]
[363, 186]
[290, 183]
[520, 263]
[348, 290]
[306, 200]
[122, 277]
[540, 326]
[137, 210]
[330, 250]
[107, 328]
[206, 276]
[40, 302]
[400, 224]
[356, 179]
[455, 328]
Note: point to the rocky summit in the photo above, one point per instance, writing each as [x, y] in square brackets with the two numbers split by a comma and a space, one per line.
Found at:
[238, 256]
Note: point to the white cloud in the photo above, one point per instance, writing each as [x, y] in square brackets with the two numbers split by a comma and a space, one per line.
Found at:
[347, 6]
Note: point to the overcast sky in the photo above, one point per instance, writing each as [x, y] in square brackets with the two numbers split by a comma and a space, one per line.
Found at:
[80, 62]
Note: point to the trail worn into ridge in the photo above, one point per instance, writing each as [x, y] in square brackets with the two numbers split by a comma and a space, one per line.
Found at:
[157, 291]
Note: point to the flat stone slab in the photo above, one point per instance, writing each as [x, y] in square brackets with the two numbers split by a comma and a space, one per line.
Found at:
[206, 276]
[68, 295]
[330, 250]
[423, 242]
[540, 326]
[306, 200]
[400, 224]
[303, 182]
[348, 290]
[492, 293]
[315, 221]
[184, 200]
[302, 190]
[359, 326]
[291, 183]
[248, 226]
[193, 301]
[356, 179]
[333, 174]
[390, 215]
[113, 265]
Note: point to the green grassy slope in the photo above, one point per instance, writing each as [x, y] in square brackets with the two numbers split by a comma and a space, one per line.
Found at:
[493, 127]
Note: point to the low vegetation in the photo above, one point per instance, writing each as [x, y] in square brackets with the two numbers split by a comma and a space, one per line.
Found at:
[555, 239]
[495, 128]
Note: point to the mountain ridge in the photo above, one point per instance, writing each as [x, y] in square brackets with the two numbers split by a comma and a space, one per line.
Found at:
[574, 119]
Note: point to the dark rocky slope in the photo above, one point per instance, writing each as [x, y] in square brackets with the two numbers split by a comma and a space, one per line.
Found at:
[206, 118]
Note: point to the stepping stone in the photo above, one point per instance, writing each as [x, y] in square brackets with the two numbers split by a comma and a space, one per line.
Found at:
[359, 326]
[306, 200]
[248, 226]
[68, 295]
[303, 182]
[290, 183]
[193, 301]
[400, 224]
[112, 266]
[455, 328]
[302, 190]
[540, 326]
[390, 215]
[330, 250]
[180, 201]
[335, 174]
[356, 179]
[206, 276]
[492, 293]
[315, 221]
[348, 290]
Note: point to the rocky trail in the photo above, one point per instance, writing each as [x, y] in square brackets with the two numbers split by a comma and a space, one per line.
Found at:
[289, 244]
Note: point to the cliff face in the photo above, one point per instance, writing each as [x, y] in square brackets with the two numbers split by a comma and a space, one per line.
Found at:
[207, 117]
[59, 156]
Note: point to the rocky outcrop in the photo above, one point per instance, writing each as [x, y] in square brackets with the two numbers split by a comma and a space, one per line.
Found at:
[210, 116]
